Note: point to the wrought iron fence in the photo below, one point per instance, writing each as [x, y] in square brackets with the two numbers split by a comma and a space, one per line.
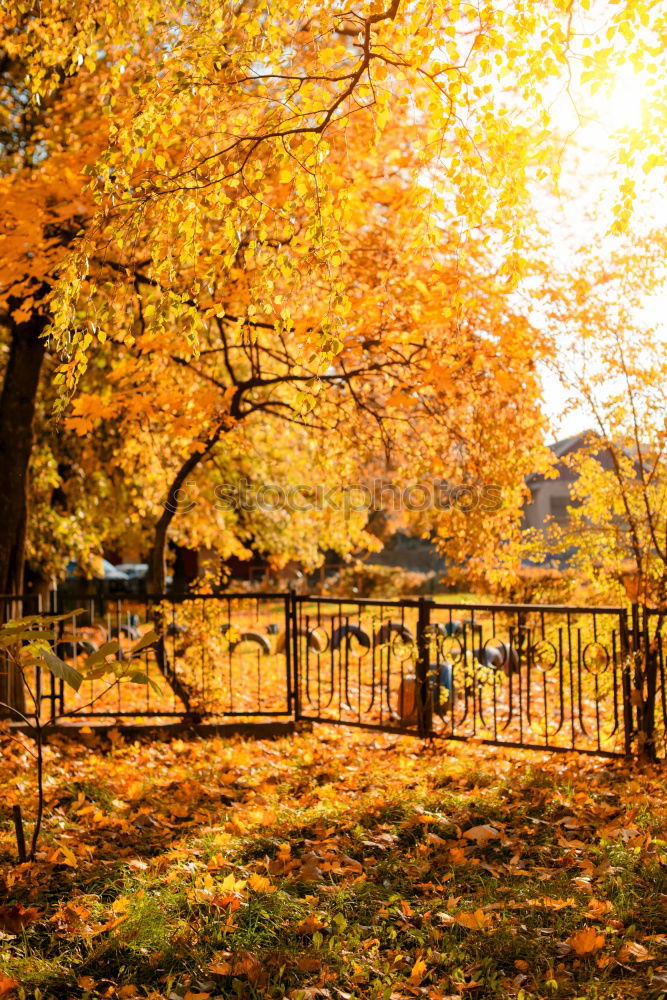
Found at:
[649, 702]
[544, 677]
[553, 677]
[356, 662]
[216, 656]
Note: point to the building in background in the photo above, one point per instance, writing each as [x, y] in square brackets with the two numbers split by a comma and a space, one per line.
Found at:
[550, 498]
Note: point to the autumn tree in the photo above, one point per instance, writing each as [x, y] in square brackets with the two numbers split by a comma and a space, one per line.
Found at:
[433, 362]
[611, 363]
[56, 66]
[198, 145]
[184, 116]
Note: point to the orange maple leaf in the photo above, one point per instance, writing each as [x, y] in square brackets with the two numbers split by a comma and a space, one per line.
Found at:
[586, 942]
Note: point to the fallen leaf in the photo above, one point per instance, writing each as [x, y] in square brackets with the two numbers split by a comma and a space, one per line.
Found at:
[310, 924]
[482, 834]
[231, 884]
[635, 951]
[586, 942]
[475, 921]
[598, 907]
[221, 964]
[305, 964]
[231, 903]
[219, 968]
[418, 972]
[137, 865]
[246, 964]
[457, 855]
[14, 918]
[549, 903]
[261, 884]
[7, 985]
[69, 858]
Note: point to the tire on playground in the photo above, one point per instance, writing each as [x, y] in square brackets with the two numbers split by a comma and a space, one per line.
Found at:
[255, 637]
[346, 632]
[499, 657]
[386, 632]
[312, 637]
[407, 696]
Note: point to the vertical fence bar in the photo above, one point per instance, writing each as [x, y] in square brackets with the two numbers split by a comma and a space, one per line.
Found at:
[289, 673]
[637, 674]
[296, 666]
[424, 700]
[627, 652]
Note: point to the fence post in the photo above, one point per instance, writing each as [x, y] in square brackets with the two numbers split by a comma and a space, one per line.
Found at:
[637, 676]
[422, 668]
[628, 652]
[289, 671]
[650, 677]
[294, 636]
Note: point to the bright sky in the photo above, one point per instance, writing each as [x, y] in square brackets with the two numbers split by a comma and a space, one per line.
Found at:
[584, 209]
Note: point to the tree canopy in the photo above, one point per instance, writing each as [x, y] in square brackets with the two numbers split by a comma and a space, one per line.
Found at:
[218, 211]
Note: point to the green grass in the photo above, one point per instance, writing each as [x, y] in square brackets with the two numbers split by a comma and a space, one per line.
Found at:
[362, 842]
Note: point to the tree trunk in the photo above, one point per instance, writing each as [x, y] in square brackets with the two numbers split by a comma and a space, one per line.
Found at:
[157, 559]
[166, 645]
[651, 658]
[157, 572]
[17, 411]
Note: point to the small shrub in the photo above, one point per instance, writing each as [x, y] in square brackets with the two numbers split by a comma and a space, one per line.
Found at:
[366, 580]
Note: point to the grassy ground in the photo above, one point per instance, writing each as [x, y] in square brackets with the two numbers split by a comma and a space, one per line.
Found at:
[335, 865]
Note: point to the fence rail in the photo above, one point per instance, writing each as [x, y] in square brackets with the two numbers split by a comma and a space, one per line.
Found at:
[543, 676]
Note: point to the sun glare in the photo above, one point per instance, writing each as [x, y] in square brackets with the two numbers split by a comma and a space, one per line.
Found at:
[618, 106]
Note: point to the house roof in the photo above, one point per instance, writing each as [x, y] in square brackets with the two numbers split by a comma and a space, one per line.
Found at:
[570, 444]
[562, 448]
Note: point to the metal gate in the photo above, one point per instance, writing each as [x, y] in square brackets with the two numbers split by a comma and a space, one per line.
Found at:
[544, 677]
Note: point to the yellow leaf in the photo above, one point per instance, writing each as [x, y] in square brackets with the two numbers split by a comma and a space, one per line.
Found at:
[259, 883]
[477, 921]
[231, 884]
[418, 971]
[68, 856]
